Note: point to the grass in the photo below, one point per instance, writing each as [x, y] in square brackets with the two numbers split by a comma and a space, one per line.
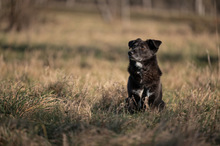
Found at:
[63, 82]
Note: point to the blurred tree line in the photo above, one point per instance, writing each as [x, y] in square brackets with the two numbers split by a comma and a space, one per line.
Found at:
[19, 14]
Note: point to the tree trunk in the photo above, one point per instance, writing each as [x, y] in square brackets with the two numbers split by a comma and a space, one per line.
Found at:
[70, 3]
[199, 7]
[104, 10]
[125, 12]
[0, 4]
[12, 16]
[147, 4]
[114, 7]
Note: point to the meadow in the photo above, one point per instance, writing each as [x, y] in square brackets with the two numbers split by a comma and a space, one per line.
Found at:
[63, 81]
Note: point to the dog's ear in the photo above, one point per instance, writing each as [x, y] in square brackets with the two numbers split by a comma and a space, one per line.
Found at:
[154, 44]
[131, 43]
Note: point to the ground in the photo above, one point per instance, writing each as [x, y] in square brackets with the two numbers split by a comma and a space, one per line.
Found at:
[63, 82]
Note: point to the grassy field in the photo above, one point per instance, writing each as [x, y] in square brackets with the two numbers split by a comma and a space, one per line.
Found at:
[63, 82]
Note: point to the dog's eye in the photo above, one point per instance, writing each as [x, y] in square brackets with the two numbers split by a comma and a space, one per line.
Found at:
[141, 47]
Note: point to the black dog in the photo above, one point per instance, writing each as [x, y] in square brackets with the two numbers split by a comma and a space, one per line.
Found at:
[144, 87]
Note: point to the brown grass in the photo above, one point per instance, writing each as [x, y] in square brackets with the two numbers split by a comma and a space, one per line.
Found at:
[63, 82]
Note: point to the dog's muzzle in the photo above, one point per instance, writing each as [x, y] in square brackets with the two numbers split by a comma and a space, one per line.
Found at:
[130, 53]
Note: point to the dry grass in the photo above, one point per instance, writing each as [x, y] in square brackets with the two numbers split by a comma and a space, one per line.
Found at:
[63, 82]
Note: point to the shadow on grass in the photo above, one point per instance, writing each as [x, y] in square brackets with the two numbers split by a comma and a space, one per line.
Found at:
[199, 60]
[21, 47]
[171, 57]
[68, 52]
[202, 60]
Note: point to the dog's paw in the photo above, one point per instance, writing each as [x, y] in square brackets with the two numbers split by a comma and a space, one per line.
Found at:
[162, 106]
[130, 105]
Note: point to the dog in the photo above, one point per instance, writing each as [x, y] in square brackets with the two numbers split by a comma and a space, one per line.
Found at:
[144, 86]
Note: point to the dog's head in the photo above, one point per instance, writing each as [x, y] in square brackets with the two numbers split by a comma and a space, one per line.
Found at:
[143, 50]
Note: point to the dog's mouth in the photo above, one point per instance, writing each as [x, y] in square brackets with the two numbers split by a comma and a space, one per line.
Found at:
[131, 58]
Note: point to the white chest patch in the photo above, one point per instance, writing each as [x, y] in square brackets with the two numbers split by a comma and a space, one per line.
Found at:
[149, 93]
[138, 64]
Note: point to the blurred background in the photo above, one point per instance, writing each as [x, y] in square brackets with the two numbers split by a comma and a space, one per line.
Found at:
[81, 37]
[20, 14]
[63, 72]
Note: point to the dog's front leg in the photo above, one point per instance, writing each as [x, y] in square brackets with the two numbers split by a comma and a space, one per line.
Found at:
[131, 104]
[138, 97]
[147, 93]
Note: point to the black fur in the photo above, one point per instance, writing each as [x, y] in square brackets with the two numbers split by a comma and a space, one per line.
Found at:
[144, 86]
